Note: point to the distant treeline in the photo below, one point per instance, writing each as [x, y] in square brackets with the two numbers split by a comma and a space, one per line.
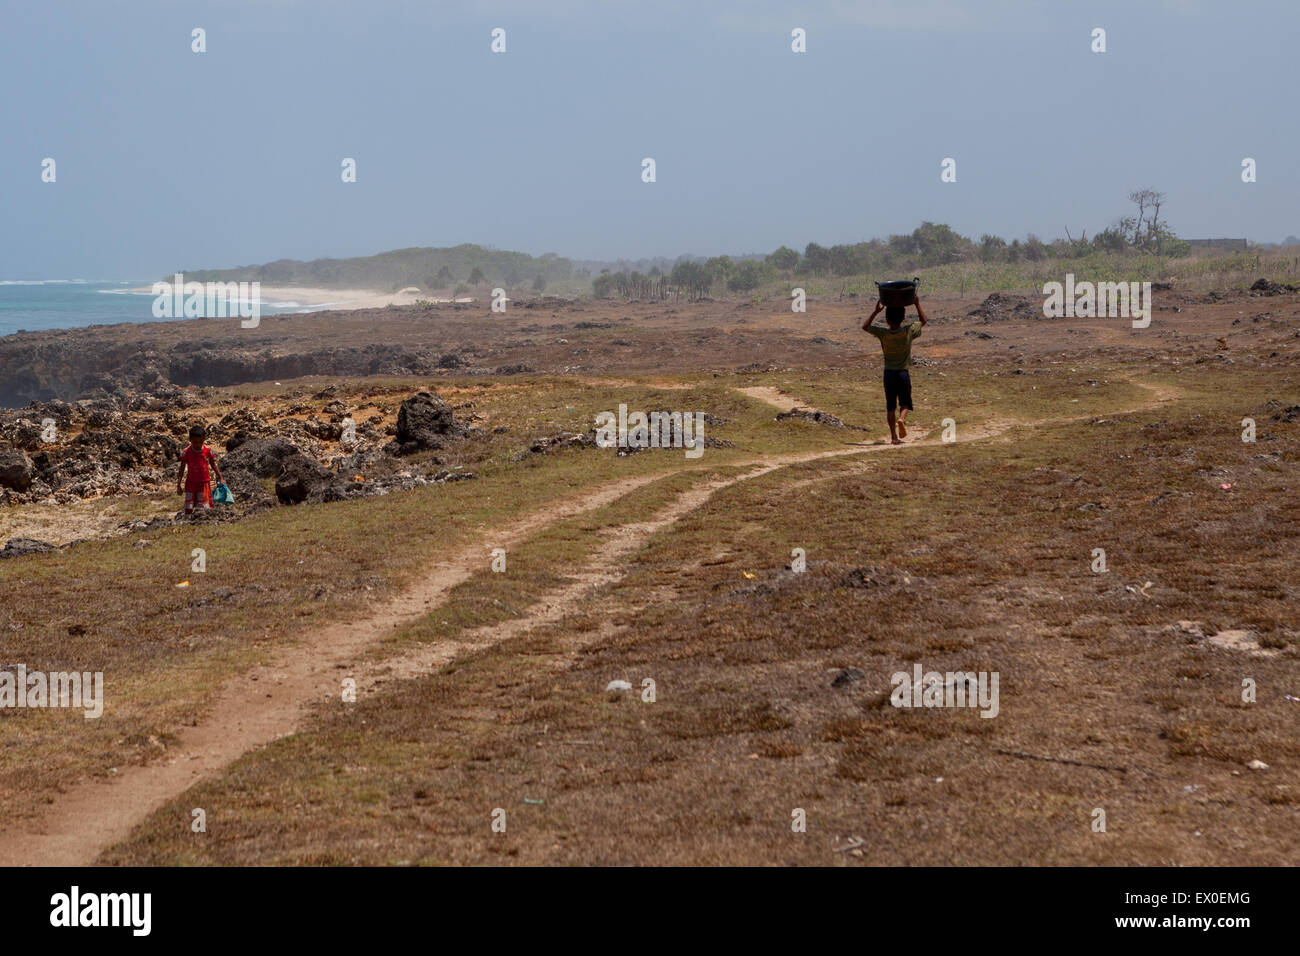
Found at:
[930, 244]
[427, 268]
[460, 268]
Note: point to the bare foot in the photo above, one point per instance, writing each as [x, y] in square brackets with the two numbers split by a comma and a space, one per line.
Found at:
[897, 441]
[902, 428]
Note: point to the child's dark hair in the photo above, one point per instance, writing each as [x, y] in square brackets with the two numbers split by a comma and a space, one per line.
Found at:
[894, 314]
[198, 431]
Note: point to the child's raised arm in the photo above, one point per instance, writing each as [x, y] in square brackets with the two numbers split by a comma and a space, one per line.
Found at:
[919, 311]
[873, 315]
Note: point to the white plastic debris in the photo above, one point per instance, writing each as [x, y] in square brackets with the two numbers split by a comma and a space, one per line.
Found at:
[618, 685]
[1257, 765]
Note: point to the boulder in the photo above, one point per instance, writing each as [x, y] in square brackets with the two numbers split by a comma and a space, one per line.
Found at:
[260, 457]
[16, 470]
[424, 422]
[301, 478]
[1267, 287]
[16, 547]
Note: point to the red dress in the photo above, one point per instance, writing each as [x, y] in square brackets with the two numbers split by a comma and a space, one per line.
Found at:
[197, 476]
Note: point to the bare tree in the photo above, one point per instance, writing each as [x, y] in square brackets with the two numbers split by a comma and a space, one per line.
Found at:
[1147, 199]
[1157, 200]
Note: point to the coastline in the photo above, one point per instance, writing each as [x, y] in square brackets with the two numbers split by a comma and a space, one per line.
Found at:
[319, 299]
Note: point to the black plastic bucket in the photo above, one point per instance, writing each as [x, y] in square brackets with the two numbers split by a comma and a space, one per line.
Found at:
[899, 292]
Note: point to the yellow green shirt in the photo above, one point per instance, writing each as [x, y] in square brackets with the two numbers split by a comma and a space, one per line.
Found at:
[897, 346]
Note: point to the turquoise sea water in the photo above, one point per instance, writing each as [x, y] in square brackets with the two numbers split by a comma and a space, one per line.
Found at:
[35, 304]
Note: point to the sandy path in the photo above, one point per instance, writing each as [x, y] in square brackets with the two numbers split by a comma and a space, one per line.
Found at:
[774, 397]
[256, 707]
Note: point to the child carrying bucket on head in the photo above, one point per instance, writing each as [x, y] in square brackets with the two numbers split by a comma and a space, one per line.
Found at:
[896, 344]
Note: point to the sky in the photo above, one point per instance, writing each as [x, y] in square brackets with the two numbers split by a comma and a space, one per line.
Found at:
[168, 159]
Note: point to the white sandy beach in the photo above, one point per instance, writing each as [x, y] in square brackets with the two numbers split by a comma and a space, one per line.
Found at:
[309, 297]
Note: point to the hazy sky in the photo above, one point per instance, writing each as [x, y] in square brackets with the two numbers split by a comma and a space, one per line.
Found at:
[170, 159]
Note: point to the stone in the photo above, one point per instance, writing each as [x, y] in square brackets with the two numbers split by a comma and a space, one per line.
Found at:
[847, 676]
[424, 421]
[301, 478]
[16, 470]
[17, 547]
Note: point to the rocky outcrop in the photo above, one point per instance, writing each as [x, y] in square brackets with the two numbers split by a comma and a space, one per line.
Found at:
[260, 457]
[59, 451]
[1268, 287]
[17, 547]
[424, 422]
[1001, 306]
[301, 479]
[87, 363]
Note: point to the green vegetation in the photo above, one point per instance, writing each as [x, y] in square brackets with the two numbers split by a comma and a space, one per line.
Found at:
[427, 268]
[948, 262]
[1134, 248]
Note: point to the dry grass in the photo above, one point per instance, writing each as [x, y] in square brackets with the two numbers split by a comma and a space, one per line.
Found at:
[972, 556]
[1101, 704]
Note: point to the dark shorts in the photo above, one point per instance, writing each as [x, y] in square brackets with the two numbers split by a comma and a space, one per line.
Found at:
[898, 389]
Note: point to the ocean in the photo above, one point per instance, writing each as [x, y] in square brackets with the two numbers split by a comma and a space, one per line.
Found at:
[36, 304]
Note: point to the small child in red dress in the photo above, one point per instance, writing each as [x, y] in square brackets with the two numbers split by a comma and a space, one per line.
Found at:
[194, 479]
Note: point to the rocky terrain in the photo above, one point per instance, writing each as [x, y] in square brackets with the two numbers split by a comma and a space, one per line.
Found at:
[439, 341]
[106, 409]
[104, 361]
[301, 447]
[57, 452]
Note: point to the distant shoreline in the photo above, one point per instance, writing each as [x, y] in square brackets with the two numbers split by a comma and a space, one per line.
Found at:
[322, 300]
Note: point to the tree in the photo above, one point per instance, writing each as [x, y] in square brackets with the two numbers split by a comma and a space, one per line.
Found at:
[720, 268]
[539, 284]
[476, 277]
[876, 256]
[937, 244]
[444, 276]
[902, 246]
[747, 277]
[992, 248]
[692, 278]
[784, 259]
[844, 260]
[1146, 230]
[816, 259]
[1111, 239]
[1168, 244]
